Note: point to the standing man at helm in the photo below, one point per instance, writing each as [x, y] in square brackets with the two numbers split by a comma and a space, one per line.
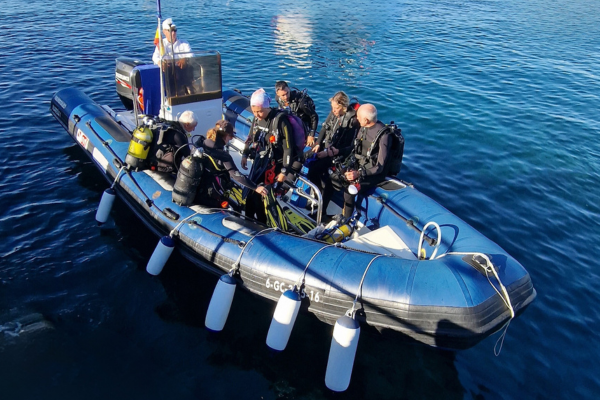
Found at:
[178, 78]
[172, 44]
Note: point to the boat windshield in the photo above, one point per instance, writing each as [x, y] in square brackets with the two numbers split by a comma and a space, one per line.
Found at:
[192, 77]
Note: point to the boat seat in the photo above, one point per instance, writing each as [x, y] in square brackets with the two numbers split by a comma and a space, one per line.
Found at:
[242, 226]
[383, 240]
[166, 180]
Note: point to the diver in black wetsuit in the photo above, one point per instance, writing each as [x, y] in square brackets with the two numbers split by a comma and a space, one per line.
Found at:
[273, 146]
[220, 167]
[300, 104]
[338, 130]
[366, 171]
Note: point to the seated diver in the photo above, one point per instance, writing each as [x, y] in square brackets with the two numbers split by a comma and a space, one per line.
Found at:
[364, 169]
[220, 168]
[337, 132]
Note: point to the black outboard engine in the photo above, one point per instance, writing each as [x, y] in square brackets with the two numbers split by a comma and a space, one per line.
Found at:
[125, 80]
[188, 179]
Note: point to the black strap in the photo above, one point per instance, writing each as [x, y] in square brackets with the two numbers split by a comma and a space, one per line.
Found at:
[377, 137]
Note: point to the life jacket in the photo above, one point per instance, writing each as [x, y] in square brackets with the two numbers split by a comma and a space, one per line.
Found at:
[166, 147]
[394, 159]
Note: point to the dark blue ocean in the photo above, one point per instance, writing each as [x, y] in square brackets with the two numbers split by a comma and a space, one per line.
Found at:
[499, 103]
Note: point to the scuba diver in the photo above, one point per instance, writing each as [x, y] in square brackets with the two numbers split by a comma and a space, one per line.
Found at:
[272, 145]
[298, 103]
[367, 161]
[219, 167]
[338, 131]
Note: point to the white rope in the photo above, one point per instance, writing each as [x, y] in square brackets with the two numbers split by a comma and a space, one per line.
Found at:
[489, 267]
[352, 311]
[301, 278]
[236, 265]
[117, 177]
[176, 229]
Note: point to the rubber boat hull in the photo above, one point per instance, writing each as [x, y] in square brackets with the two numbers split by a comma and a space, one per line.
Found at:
[449, 302]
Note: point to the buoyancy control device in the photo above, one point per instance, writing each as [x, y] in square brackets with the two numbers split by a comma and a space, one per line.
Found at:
[188, 178]
[139, 146]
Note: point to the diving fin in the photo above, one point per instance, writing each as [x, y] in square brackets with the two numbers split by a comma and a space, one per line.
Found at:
[275, 216]
[299, 223]
[235, 194]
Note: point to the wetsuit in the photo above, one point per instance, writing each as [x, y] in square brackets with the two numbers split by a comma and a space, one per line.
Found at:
[219, 171]
[338, 132]
[304, 107]
[272, 148]
[372, 169]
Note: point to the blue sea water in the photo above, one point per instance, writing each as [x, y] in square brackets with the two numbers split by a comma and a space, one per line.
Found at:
[499, 105]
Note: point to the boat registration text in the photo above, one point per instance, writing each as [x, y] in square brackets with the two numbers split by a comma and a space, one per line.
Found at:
[313, 295]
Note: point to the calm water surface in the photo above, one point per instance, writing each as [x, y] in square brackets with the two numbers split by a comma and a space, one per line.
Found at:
[498, 102]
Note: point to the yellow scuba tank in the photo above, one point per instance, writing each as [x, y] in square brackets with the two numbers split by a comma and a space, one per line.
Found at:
[139, 147]
[338, 233]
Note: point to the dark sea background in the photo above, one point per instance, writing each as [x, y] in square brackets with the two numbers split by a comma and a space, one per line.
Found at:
[499, 104]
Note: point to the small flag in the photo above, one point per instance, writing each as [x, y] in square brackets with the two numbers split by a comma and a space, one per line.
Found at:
[158, 41]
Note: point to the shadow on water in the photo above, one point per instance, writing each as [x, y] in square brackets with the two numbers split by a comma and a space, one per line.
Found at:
[384, 367]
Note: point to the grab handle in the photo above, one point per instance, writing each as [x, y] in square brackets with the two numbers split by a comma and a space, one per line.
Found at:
[437, 244]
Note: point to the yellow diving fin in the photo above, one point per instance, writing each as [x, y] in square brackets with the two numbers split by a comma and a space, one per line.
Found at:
[299, 222]
[275, 215]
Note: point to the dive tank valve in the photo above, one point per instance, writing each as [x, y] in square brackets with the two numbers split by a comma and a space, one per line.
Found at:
[188, 178]
[139, 147]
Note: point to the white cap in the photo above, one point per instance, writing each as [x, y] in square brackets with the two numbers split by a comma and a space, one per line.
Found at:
[260, 98]
[167, 23]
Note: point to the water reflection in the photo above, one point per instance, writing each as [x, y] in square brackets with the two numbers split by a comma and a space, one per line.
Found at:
[293, 40]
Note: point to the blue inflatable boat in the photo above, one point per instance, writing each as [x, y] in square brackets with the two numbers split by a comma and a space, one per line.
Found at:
[410, 266]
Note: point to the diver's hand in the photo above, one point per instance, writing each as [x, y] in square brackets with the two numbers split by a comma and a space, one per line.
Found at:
[316, 148]
[280, 178]
[352, 175]
[310, 140]
[261, 190]
[245, 162]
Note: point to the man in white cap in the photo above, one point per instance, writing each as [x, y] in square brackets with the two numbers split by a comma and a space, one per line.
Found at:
[172, 45]
[271, 135]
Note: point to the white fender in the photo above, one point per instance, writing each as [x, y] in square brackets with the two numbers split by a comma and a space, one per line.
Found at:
[342, 353]
[220, 303]
[106, 203]
[161, 254]
[283, 320]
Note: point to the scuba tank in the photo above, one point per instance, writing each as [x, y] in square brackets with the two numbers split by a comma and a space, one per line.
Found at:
[139, 147]
[188, 178]
[340, 232]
